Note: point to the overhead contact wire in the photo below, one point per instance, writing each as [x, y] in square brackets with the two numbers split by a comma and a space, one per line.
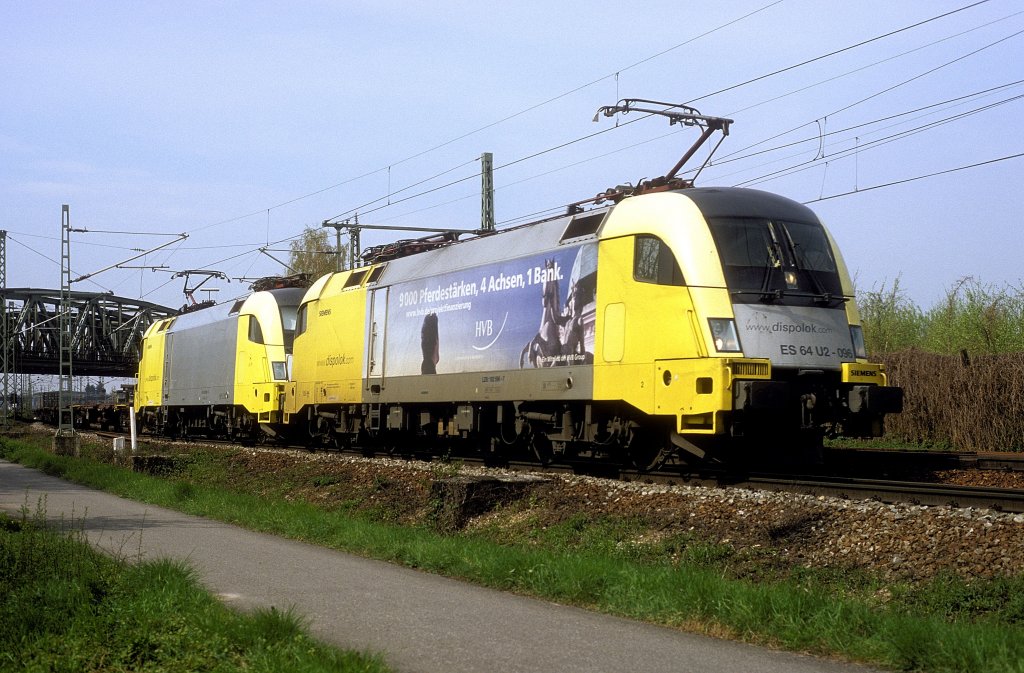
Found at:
[490, 125]
[837, 51]
[729, 158]
[918, 177]
[848, 48]
[874, 144]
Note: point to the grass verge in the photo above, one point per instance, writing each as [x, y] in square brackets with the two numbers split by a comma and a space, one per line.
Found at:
[69, 608]
[930, 630]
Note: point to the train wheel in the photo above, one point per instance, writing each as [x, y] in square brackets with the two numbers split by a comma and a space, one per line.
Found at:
[492, 449]
[388, 442]
[541, 447]
[331, 441]
[314, 438]
[808, 447]
[648, 449]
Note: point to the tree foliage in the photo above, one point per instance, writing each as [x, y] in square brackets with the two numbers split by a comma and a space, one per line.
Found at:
[975, 317]
[313, 253]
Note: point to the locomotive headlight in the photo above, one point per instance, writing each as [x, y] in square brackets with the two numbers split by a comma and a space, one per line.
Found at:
[723, 333]
[857, 336]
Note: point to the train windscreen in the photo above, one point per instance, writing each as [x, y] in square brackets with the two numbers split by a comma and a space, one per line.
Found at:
[288, 317]
[776, 261]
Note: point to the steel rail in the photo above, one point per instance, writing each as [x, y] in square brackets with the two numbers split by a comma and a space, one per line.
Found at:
[851, 488]
[924, 460]
[917, 493]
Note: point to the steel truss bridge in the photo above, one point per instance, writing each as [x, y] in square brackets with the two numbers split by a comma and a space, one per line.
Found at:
[105, 331]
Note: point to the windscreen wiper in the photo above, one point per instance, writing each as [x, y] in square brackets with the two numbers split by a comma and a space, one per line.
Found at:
[774, 261]
[768, 295]
[821, 295]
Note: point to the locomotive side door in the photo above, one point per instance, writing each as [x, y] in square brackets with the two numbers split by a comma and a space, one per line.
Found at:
[376, 329]
[168, 372]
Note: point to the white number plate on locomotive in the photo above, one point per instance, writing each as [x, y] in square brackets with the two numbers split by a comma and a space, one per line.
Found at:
[795, 336]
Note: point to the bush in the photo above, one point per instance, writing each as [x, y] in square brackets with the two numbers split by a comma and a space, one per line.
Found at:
[891, 320]
[975, 317]
[958, 401]
[960, 364]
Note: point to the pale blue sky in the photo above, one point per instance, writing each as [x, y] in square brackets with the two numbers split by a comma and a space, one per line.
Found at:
[214, 118]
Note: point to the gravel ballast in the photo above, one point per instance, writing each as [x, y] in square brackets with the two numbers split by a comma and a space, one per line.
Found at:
[897, 541]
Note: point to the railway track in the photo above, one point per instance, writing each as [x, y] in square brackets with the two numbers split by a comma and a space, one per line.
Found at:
[913, 460]
[888, 491]
[838, 482]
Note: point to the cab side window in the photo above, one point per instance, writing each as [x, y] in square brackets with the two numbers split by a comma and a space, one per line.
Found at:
[653, 262]
[300, 320]
[255, 331]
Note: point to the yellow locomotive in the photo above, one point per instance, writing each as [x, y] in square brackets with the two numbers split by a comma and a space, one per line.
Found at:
[219, 371]
[674, 320]
[671, 321]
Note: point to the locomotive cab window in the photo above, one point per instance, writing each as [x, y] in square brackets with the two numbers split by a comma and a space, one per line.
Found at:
[300, 320]
[653, 262]
[289, 318]
[255, 331]
[778, 260]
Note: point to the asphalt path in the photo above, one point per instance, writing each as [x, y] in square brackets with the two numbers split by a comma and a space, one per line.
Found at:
[421, 623]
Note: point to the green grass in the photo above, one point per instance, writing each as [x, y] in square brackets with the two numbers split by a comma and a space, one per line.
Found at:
[885, 443]
[947, 625]
[68, 608]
